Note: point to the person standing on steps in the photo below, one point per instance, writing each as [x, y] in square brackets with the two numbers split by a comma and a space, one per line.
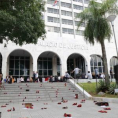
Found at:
[76, 73]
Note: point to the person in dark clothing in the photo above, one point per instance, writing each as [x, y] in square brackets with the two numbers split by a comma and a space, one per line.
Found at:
[34, 76]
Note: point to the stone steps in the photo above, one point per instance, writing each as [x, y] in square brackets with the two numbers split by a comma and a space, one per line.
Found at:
[47, 92]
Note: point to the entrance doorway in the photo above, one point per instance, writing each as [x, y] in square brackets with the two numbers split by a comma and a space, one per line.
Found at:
[75, 60]
[48, 64]
[19, 64]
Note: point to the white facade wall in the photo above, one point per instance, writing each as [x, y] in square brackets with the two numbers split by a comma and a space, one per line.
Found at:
[60, 43]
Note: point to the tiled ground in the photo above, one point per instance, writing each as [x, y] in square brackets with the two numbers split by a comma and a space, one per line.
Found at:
[88, 110]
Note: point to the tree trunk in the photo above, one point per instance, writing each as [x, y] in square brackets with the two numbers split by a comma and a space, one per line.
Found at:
[105, 63]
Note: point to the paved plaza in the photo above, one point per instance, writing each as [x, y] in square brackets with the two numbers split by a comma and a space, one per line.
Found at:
[54, 110]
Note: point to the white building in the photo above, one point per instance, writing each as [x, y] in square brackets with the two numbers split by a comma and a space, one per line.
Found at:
[63, 48]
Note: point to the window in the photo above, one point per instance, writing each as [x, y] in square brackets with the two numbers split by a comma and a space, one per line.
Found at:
[19, 66]
[96, 62]
[86, 1]
[52, 2]
[51, 10]
[67, 31]
[113, 62]
[79, 32]
[68, 5]
[66, 13]
[78, 7]
[53, 19]
[78, 1]
[82, 25]
[45, 66]
[68, 22]
[53, 29]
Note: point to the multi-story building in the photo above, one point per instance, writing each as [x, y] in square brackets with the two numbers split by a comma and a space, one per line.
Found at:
[62, 50]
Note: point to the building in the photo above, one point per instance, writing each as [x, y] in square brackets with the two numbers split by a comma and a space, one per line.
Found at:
[63, 48]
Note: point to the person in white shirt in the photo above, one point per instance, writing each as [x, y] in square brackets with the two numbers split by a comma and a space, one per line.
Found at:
[66, 76]
[76, 72]
[22, 79]
[102, 76]
[36, 76]
[89, 76]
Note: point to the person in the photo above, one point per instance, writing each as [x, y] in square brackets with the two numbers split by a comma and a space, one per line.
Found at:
[111, 73]
[96, 72]
[76, 72]
[28, 79]
[102, 76]
[89, 76]
[22, 79]
[33, 76]
[36, 77]
[66, 76]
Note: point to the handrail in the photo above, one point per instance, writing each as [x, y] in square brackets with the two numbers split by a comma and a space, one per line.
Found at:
[80, 84]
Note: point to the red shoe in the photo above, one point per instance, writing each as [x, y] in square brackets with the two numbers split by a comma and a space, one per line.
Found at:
[8, 110]
[79, 105]
[59, 102]
[65, 115]
[74, 103]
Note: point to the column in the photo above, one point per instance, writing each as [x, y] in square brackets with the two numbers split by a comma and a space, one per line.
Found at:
[31, 66]
[87, 64]
[34, 64]
[63, 67]
[54, 65]
[4, 66]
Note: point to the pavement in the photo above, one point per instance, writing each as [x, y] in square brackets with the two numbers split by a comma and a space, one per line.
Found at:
[54, 110]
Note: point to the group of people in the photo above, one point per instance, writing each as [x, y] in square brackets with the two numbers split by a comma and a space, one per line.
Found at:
[77, 74]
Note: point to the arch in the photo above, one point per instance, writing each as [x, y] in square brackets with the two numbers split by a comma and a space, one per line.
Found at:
[76, 59]
[20, 49]
[0, 63]
[113, 62]
[19, 63]
[48, 63]
[96, 62]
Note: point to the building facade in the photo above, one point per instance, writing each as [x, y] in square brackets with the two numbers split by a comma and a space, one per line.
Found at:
[62, 50]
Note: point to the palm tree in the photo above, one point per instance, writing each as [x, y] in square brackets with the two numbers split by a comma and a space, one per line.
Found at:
[97, 27]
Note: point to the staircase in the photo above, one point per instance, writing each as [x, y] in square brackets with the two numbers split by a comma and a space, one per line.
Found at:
[18, 92]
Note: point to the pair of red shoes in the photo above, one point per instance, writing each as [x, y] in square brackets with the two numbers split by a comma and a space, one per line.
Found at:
[101, 111]
[74, 103]
[59, 102]
[3, 106]
[83, 101]
[107, 108]
[67, 115]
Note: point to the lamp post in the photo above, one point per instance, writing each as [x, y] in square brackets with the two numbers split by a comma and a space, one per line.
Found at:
[111, 18]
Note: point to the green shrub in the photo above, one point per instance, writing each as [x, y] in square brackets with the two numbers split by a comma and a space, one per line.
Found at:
[111, 88]
[102, 87]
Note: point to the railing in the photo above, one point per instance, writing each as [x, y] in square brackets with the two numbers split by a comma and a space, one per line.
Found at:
[79, 84]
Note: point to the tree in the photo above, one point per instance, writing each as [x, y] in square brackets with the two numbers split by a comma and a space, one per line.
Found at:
[97, 27]
[21, 21]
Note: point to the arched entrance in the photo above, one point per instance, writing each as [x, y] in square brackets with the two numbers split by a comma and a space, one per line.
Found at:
[113, 62]
[76, 60]
[20, 64]
[48, 64]
[0, 63]
[96, 62]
